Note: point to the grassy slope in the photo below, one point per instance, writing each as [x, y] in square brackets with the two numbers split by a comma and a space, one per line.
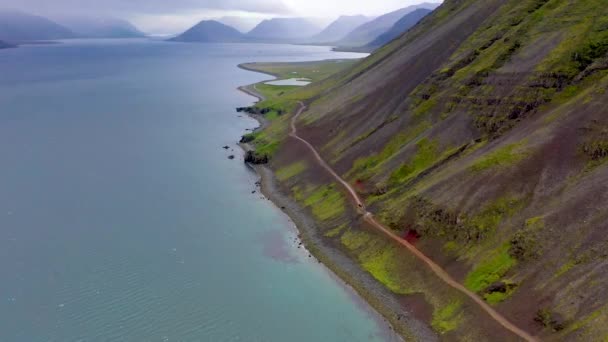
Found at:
[492, 143]
[281, 101]
[506, 130]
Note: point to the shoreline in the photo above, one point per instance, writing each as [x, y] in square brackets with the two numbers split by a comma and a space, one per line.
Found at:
[384, 305]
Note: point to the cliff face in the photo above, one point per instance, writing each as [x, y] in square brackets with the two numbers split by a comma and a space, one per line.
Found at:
[482, 135]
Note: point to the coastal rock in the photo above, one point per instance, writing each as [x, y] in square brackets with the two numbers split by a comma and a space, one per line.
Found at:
[247, 138]
[252, 157]
[231, 157]
[256, 111]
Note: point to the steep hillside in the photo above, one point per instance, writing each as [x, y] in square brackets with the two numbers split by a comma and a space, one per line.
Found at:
[481, 136]
[17, 26]
[210, 31]
[340, 28]
[400, 27]
[283, 30]
[369, 31]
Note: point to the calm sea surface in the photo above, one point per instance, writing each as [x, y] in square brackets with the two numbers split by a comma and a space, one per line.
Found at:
[121, 217]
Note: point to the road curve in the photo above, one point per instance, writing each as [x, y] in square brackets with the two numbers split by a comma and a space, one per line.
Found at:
[369, 218]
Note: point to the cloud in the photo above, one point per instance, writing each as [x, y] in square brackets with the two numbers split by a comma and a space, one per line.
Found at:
[127, 8]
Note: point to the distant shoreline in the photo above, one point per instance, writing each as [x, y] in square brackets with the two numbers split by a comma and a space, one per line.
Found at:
[382, 304]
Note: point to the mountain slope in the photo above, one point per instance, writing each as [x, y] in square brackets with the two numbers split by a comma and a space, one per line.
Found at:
[210, 31]
[100, 27]
[340, 28]
[283, 30]
[242, 24]
[17, 26]
[367, 32]
[481, 135]
[404, 24]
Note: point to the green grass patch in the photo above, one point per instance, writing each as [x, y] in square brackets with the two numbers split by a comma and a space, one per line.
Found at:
[425, 107]
[336, 231]
[425, 156]
[565, 268]
[365, 167]
[326, 203]
[499, 297]
[502, 157]
[291, 171]
[315, 71]
[448, 318]
[354, 240]
[490, 217]
[490, 269]
[381, 263]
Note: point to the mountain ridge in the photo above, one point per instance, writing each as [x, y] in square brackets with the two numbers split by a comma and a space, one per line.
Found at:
[339, 28]
[210, 31]
[369, 31]
[18, 26]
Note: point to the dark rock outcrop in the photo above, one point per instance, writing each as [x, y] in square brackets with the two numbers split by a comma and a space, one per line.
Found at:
[254, 158]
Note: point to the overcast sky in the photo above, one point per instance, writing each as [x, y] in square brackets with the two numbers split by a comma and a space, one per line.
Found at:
[172, 16]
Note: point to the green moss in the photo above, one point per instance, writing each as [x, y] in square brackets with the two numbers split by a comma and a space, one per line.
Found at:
[486, 221]
[336, 231]
[326, 203]
[502, 157]
[490, 269]
[499, 297]
[583, 322]
[425, 107]
[496, 297]
[565, 268]
[425, 156]
[291, 171]
[448, 318]
[366, 167]
[380, 262]
[354, 240]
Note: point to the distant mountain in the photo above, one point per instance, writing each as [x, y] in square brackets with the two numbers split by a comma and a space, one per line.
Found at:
[17, 26]
[406, 23]
[283, 30]
[242, 24]
[367, 32]
[210, 31]
[340, 28]
[84, 27]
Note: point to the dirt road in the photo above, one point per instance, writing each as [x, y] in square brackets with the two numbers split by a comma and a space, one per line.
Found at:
[369, 218]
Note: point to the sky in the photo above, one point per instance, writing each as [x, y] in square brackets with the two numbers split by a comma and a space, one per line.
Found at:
[174, 16]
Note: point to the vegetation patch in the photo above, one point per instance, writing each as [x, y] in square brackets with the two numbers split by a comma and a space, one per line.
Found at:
[490, 269]
[448, 318]
[326, 203]
[354, 240]
[425, 157]
[336, 231]
[505, 156]
[486, 221]
[291, 171]
[381, 262]
[525, 245]
[366, 167]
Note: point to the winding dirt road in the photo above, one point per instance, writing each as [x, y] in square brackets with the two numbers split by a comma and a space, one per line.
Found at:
[369, 218]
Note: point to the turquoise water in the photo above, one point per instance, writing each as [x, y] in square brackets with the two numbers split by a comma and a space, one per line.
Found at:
[121, 216]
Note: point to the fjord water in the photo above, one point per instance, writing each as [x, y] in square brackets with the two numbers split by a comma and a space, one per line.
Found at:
[121, 216]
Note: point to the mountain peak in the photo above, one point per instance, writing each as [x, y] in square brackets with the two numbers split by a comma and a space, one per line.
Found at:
[210, 31]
